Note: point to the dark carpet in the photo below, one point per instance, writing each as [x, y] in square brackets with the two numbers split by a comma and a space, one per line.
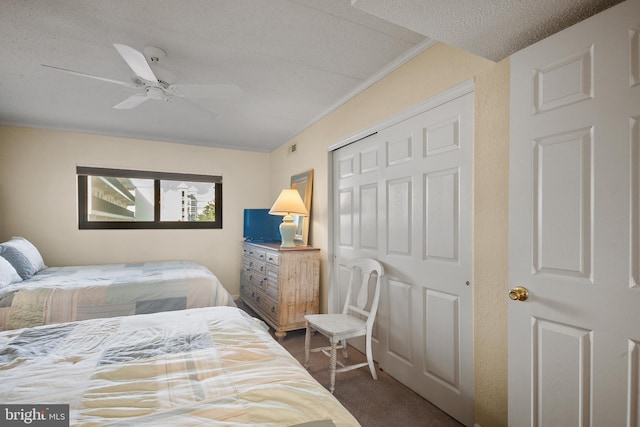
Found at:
[385, 402]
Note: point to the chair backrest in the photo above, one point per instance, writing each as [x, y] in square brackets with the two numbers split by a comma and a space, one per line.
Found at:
[363, 269]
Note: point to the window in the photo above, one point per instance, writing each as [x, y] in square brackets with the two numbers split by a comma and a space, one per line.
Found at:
[118, 198]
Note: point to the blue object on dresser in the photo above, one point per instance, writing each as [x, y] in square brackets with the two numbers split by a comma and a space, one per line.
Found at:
[261, 227]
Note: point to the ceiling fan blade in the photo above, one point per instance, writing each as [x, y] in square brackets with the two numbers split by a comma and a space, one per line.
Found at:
[219, 91]
[131, 102]
[136, 61]
[104, 79]
[194, 107]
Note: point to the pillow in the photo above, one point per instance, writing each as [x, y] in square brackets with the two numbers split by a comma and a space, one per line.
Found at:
[8, 274]
[23, 256]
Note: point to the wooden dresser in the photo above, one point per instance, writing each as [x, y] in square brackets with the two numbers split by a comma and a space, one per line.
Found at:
[280, 284]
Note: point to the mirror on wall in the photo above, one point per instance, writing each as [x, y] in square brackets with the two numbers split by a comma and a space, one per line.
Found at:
[303, 182]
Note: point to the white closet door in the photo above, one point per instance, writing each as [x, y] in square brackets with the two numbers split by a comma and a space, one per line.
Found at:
[574, 344]
[404, 196]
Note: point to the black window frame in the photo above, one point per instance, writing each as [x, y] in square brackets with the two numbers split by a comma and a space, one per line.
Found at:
[83, 215]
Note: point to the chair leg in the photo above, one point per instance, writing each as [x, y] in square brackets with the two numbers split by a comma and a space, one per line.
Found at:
[332, 362]
[369, 351]
[307, 345]
[344, 349]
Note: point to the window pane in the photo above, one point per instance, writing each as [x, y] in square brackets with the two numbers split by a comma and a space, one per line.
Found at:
[119, 199]
[134, 199]
[187, 201]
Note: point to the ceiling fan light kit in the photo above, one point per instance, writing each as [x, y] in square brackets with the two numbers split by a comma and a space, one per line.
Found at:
[158, 83]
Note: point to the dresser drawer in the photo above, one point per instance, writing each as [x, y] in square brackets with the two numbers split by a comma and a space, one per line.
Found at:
[250, 301]
[257, 266]
[271, 291]
[246, 265]
[253, 251]
[256, 279]
[273, 273]
[257, 253]
[272, 257]
[272, 282]
[247, 291]
[244, 276]
[267, 306]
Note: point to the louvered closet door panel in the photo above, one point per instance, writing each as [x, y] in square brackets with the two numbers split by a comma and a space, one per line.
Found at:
[403, 196]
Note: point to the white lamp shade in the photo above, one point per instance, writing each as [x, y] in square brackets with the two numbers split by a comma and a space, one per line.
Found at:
[289, 202]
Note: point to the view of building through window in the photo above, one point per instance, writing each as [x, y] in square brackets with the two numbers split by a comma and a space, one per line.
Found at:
[187, 201]
[132, 199]
[119, 199]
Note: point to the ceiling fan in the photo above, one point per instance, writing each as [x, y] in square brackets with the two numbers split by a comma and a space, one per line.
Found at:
[157, 85]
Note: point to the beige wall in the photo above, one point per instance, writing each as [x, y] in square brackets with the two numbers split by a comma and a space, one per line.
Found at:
[38, 198]
[435, 70]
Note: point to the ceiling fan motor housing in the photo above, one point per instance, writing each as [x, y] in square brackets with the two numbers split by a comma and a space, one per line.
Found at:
[155, 92]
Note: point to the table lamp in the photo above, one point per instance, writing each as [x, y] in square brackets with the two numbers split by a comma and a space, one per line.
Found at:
[287, 204]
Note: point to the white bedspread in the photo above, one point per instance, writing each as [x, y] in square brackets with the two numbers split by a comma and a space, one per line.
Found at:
[207, 366]
[64, 294]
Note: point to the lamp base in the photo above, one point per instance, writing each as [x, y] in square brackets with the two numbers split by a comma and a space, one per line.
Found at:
[288, 231]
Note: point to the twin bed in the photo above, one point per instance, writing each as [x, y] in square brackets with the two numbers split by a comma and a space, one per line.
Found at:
[65, 294]
[149, 344]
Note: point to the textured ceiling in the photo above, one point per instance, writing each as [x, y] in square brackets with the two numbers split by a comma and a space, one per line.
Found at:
[493, 29]
[293, 60]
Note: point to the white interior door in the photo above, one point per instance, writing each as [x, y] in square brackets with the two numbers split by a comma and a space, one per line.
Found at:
[574, 344]
[403, 196]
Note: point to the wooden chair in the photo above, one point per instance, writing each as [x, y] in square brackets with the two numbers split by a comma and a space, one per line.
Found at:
[354, 321]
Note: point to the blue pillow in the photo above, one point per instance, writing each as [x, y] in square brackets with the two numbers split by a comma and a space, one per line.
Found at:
[24, 257]
[18, 260]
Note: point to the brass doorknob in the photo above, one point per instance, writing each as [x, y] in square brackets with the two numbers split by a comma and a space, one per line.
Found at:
[519, 293]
